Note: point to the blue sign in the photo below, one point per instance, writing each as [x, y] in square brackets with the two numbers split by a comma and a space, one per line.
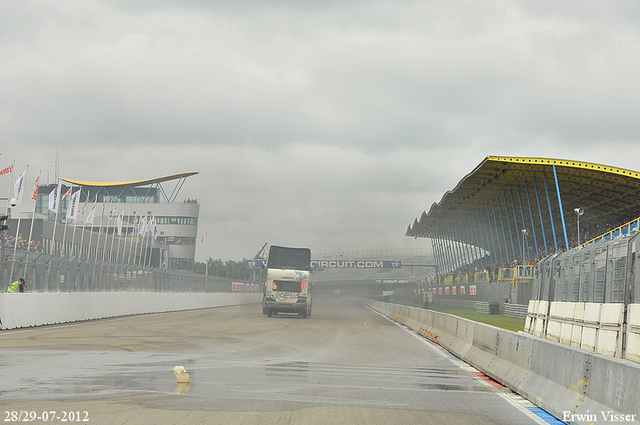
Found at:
[355, 264]
[256, 263]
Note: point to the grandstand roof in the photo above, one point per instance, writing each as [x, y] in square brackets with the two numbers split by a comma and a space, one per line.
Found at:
[514, 187]
[117, 189]
[134, 183]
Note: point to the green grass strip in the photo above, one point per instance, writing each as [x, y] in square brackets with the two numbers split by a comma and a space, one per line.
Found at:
[498, 320]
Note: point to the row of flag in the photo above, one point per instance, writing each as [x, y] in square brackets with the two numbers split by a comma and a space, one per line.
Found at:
[142, 224]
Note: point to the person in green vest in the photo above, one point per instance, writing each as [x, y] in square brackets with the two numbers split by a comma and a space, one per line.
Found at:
[18, 286]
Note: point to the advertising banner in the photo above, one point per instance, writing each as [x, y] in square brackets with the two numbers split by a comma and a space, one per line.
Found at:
[355, 264]
[256, 263]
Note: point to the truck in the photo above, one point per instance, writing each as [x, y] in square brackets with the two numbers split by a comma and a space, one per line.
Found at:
[288, 285]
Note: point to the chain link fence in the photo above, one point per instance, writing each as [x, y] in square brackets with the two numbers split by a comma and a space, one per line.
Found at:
[50, 273]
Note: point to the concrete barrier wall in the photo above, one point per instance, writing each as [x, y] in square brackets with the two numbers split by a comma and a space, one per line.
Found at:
[633, 333]
[561, 379]
[34, 309]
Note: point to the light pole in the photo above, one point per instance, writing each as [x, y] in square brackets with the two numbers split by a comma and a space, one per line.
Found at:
[579, 212]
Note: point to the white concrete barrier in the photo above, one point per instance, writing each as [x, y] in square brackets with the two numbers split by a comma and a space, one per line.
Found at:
[34, 309]
[633, 333]
[596, 327]
[562, 379]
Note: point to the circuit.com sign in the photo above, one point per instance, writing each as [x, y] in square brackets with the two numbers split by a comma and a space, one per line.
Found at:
[355, 264]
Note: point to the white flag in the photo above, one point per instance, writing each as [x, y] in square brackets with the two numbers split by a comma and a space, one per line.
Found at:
[89, 219]
[119, 222]
[143, 225]
[18, 188]
[150, 223]
[74, 202]
[54, 198]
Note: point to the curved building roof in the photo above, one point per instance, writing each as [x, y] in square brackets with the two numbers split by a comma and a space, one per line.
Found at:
[504, 195]
[134, 183]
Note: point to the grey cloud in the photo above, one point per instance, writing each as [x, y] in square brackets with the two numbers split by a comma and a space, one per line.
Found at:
[323, 123]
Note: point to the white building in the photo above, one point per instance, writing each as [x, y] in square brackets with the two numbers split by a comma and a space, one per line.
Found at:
[127, 206]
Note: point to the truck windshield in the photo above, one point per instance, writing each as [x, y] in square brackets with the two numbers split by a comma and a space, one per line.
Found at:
[287, 286]
[289, 258]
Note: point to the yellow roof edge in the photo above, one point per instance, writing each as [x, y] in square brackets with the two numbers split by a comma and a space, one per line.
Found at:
[566, 163]
[131, 183]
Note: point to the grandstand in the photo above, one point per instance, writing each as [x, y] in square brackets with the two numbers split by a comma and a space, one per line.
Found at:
[518, 210]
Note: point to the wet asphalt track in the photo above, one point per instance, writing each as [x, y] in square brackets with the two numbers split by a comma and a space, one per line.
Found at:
[344, 365]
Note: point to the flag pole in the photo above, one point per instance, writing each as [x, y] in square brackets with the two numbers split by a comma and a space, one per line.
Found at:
[6, 211]
[33, 217]
[75, 221]
[149, 241]
[137, 237]
[93, 209]
[113, 237]
[95, 199]
[95, 262]
[83, 223]
[130, 233]
[53, 250]
[145, 239]
[124, 252]
[18, 197]
[106, 234]
[141, 240]
[119, 223]
[86, 201]
[66, 220]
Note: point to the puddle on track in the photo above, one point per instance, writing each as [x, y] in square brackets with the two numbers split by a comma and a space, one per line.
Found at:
[63, 374]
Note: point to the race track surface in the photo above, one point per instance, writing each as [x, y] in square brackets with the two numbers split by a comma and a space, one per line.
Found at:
[346, 364]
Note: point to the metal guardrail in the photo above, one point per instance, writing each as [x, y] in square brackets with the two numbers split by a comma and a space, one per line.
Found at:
[625, 229]
[516, 310]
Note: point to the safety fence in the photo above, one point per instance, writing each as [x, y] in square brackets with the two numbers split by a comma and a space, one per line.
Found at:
[50, 273]
[602, 272]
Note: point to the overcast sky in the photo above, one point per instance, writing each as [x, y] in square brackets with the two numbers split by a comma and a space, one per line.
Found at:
[327, 124]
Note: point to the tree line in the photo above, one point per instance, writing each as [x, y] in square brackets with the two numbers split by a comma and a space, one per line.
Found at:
[223, 268]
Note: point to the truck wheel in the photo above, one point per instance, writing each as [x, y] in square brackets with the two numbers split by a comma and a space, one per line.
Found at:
[269, 313]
